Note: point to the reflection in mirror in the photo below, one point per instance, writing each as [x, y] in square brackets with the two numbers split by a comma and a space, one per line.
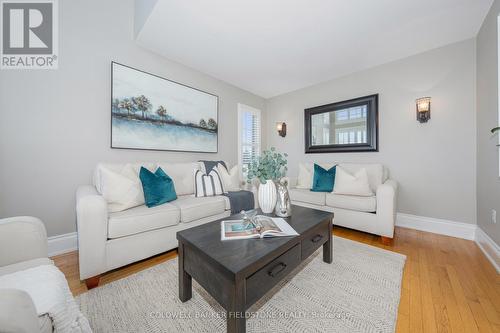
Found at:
[343, 126]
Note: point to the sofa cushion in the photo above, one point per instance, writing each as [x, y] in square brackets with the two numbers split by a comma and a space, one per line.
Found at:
[182, 175]
[119, 168]
[21, 266]
[375, 172]
[141, 219]
[306, 173]
[193, 208]
[352, 202]
[307, 196]
[352, 184]
[230, 179]
[323, 179]
[208, 185]
[121, 189]
[158, 187]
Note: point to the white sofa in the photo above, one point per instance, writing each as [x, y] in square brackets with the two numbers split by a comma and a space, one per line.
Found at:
[110, 240]
[375, 214]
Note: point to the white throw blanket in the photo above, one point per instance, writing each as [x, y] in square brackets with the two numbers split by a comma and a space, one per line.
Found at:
[50, 293]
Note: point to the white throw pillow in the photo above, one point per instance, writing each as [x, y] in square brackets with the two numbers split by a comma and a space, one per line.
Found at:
[121, 190]
[207, 185]
[374, 171]
[348, 184]
[304, 180]
[230, 179]
[182, 175]
[306, 173]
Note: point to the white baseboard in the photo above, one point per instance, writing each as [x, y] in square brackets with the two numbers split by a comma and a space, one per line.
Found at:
[62, 244]
[490, 249]
[437, 226]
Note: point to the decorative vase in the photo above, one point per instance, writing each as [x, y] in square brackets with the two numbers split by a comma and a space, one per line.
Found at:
[267, 196]
[283, 204]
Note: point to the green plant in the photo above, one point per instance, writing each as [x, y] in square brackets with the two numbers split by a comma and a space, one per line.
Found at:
[271, 165]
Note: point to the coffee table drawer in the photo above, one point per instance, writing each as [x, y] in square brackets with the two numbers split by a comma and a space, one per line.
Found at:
[314, 239]
[268, 276]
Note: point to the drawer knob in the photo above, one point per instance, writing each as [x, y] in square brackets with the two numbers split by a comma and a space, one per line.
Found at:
[277, 269]
[316, 238]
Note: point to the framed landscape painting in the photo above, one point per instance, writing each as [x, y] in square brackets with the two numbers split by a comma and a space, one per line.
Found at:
[150, 112]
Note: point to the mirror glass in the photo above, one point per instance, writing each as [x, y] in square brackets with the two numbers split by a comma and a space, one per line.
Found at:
[343, 126]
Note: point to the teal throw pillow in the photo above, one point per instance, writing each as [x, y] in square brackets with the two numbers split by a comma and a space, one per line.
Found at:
[158, 187]
[323, 179]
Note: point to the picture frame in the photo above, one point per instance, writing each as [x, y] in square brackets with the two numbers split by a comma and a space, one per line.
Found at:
[150, 112]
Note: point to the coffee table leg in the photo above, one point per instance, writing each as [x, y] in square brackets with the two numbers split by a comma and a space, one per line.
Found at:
[328, 246]
[236, 320]
[185, 280]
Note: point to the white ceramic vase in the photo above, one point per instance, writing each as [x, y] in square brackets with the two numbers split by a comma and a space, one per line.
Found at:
[267, 196]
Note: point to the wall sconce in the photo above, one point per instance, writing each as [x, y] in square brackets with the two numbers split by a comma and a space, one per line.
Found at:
[423, 109]
[281, 128]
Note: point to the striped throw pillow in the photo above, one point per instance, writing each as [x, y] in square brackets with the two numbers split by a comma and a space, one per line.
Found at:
[207, 185]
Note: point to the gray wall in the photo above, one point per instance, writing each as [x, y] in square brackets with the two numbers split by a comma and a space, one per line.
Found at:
[488, 182]
[434, 163]
[55, 125]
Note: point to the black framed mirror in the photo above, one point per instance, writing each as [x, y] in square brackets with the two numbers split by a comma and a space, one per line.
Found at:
[347, 126]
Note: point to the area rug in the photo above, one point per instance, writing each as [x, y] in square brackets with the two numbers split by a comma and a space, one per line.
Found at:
[358, 292]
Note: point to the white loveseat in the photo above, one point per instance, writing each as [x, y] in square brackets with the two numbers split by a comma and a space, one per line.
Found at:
[110, 240]
[374, 214]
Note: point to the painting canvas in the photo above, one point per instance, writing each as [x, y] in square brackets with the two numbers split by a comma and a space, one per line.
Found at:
[150, 112]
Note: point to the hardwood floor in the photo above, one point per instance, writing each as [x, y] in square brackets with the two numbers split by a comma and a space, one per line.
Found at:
[448, 284]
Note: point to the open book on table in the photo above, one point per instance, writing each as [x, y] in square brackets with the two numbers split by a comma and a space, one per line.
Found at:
[261, 226]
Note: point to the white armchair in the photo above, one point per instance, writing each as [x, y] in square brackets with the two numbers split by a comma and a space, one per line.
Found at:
[23, 245]
[22, 238]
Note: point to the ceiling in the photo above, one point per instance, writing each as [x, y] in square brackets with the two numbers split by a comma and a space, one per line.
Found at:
[271, 47]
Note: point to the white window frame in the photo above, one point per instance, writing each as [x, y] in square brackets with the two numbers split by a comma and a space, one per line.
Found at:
[243, 108]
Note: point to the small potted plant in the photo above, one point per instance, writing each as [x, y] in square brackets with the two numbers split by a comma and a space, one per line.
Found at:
[269, 168]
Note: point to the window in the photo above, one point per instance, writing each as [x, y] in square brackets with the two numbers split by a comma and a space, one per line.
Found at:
[249, 135]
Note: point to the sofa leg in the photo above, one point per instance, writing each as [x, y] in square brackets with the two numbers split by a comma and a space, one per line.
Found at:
[385, 240]
[92, 282]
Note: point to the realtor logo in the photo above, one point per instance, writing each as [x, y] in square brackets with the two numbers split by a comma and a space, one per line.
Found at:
[29, 34]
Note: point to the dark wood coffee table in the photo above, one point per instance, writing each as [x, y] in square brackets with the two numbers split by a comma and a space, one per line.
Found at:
[237, 273]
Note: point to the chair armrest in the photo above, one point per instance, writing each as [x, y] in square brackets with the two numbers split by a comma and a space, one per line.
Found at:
[17, 312]
[22, 238]
[92, 227]
[387, 194]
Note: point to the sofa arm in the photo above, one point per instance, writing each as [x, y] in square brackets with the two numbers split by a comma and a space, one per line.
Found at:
[17, 312]
[387, 206]
[92, 227]
[22, 238]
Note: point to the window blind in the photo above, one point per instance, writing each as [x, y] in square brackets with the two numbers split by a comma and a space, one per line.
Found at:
[249, 134]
